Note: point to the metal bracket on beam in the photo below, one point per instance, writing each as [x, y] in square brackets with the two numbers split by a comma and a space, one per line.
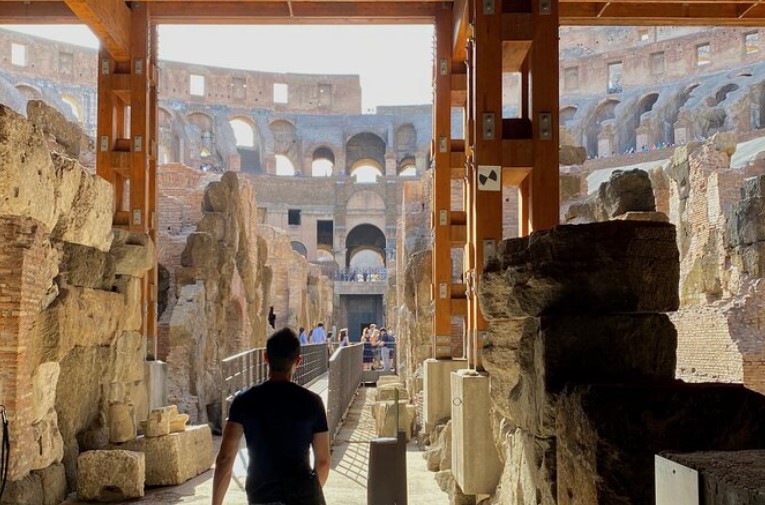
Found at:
[443, 66]
[105, 67]
[443, 217]
[443, 290]
[136, 216]
[442, 145]
[488, 7]
[488, 125]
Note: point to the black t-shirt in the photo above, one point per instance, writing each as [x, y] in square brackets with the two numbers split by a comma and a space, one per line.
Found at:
[279, 420]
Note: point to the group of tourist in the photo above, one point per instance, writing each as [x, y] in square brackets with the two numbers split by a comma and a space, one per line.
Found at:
[379, 346]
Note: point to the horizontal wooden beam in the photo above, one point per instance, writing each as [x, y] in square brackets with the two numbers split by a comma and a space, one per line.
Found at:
[387, 12]
[13, 13]
[662, 13]
[110, 22]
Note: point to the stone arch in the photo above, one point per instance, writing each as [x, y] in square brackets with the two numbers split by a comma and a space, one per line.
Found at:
[247, 143]
[407, 167]
[566, 114]
[299, 248]
[722, 94]
[322, 162]
[643, 106]
[679, 102]
[75, 106]
[364, 146]
[30, 92]
[366, 171]
[406, 142]
[205, 129]
[285, 140]
[169, 143]
[366, 258]
[603, 112]
[364, 237]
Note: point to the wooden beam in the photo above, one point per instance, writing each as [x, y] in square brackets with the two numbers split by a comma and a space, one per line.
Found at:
[110, 22]
[13, 13]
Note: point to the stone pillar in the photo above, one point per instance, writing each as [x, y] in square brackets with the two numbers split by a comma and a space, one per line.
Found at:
[23, 283]
[437, 406]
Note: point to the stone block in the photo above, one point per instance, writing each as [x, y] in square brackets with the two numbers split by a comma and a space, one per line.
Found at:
[53, 482]
[122, 423]
[448, 484]
[384, 380]
[607, 435]
[727, 478]
[572, 155]
[44, 382]
[217, 197]
[178, 423]
[86, 267]
[175, 458]
[437, 403]
[388, 392]
[158, 423]
[88, 220]
[529, 472]
[598, 268]
[155, 378]
[106, 476]
[133, 253]
[26, 491]
[384, 413]
[530, 360]
[475, 462]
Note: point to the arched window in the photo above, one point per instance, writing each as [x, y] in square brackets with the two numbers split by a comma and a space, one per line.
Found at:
[367, 259]
[243, 132]
[323, 162]
[75, 107]
[299, 248]
[366, 174]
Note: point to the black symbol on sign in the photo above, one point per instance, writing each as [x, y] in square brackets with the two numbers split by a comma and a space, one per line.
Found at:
[483, 179]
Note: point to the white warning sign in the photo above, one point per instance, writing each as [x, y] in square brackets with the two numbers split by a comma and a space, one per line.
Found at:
[489, 178]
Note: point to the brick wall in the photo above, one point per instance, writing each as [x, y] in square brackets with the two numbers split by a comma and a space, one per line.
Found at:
[23, 244]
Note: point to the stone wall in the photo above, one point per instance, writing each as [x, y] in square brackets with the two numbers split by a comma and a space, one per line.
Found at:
[224, 273]
[72, 355]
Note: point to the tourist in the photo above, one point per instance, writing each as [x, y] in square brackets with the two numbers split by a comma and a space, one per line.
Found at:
[375, 341]
[280, 421]
[330, 344]
[343, 338]
[319, 336]
[385, 349]
[303, 337]
[271, 317]
[368, 352]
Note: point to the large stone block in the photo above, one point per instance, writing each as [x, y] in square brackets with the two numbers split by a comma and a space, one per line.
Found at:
[727, 478]
[87, 220]
[384, 413]
[175, 458]
[529, 473]
[133, 253]
[53, 482]
[114, 475]
[530, 360]
[86, 267]
[388, 392]
[437, 401]
[607, 436]
[598, 268]
[122, 423]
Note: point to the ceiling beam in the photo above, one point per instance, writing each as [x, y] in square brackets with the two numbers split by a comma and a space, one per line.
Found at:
[27, 13]
[110, 22]
[303, 12]
[661, 13]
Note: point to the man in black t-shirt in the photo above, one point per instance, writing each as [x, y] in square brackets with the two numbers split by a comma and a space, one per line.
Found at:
[280, 422]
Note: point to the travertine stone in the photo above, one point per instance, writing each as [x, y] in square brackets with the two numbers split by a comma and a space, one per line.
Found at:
[572, 155]
[175, 458]
[530, 360]
[133, 253]
[44, 382]
[178, 423]
[607, 436]
[384, 380]
[598, 268]
[88, 219]
[158, 422]
[727, 478]
[384, 413]
[114, 475]
[122, 425]
[53, 482]
[623, 192]
[437, 401]
[86, 267]
[448, 484]
[388, 392]
[67, 133]
[529, 472]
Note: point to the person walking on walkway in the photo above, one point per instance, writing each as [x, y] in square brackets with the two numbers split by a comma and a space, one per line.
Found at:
[319, 336]
[280, 421]
[385, 349]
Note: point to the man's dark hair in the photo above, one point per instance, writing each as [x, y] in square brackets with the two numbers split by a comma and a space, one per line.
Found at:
[320, 324]
[283, 349]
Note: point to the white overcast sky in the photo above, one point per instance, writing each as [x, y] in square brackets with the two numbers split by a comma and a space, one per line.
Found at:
[394, 62]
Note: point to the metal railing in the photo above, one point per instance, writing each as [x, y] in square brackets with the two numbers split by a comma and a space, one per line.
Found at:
[345, 375]
[362, 275]
[249, 368]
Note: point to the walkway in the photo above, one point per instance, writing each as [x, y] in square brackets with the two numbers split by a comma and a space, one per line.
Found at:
[348, 476]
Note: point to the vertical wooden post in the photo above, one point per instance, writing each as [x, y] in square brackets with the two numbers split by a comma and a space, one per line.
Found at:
[545, 183]
[485, 178]
[441, 216]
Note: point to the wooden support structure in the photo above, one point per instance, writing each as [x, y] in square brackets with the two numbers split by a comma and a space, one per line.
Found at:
[126, 143]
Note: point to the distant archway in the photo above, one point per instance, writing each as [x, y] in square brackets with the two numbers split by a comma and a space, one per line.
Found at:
[323, 162]
[566, 114]
[603, 112]
[363, 259]
[247, 144]
[75, 106]
[406, 142]
[299, 248]
[407, 167]
[644, 105]
[365, 237]
[29, 92]
[366, 171]
[722, 94]
[284, 166]
[365, 147]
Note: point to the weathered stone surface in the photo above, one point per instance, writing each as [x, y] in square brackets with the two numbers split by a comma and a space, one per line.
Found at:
[384, 380]
[388, 392]
[217, 197]
[53, 482]
[66, 133]
[158, 422]
[611, 267]
[86, 267]
[122, 423]
[133, 253]
[48, 444]
[530, 360]
[448, 484]
[529, 472]
[178, 423]
[624, 191]
[113, 475]
[44, 382]
[644, 216]
[175, 458]
[727, 478]
[26, 491]
[127, 358]
[607, 436]
[384, 413]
